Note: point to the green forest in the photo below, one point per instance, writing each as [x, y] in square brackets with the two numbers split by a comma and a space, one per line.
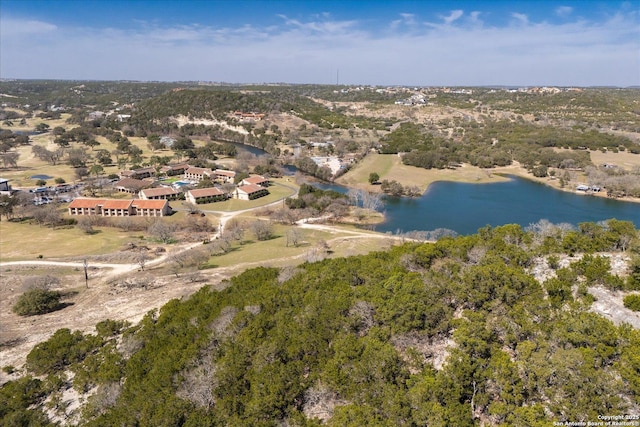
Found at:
[457, 332]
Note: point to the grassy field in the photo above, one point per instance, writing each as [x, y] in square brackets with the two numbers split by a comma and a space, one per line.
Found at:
[275, 251]
[622, 159]
[390, 167]
[22, 241]
[29, 166]
[31, 123]
[277, 191]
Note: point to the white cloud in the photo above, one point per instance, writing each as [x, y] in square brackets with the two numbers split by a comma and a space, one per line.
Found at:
[475, 16]
[326, 27]
[564, 10]
[520, 17]
[453, 16]
[407, 20]
[21, 27]
[459, 52]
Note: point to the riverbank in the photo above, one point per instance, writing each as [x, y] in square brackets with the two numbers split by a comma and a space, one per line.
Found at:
[519, 171]
[391, 168]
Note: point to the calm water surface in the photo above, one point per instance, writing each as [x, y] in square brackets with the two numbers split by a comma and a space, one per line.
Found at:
[466, 207]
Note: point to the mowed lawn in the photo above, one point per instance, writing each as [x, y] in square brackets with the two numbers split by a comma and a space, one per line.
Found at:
[22, 241]
[277, 191]
[390, 167]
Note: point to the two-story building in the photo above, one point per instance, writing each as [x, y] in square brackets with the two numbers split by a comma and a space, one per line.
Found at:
[250, 192]
[224, 176]
[119, 208]
[255, 180]
[131, 185]
[158, 193]
[175, 169]
[205, 195]
[194, 173]
[139, 173]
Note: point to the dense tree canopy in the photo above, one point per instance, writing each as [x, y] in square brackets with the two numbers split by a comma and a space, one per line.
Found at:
[365, 339]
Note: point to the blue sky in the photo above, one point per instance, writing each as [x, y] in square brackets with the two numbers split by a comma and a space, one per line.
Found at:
[523, 43]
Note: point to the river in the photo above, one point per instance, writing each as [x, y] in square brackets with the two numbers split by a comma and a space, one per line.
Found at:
[464, 208]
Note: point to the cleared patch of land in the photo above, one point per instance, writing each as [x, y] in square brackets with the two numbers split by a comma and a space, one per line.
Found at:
[390, 167]
[274, 251]
[622, 159]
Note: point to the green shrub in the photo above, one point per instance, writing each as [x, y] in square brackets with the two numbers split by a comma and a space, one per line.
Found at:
[632, 302]
[37, 301]
[62, 349]
[108, 328]
[553, 261]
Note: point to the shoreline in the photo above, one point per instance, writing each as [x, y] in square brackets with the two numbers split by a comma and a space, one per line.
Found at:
[521, 172]
[390, 167]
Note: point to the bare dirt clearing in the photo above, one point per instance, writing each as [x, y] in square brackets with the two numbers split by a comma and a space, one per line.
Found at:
[609, 305]
[106, 298]
[182, 120]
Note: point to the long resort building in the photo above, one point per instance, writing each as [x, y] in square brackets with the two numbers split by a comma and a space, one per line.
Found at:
[119, 208]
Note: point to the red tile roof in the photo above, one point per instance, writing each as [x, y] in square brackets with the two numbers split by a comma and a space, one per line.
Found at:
[250, 188]
[131, 184]
[255, 179]
[160, 191]
[206, 192]
[198, 171]
[86, 203]
[149, 204]
[174, 167]
[116, 204]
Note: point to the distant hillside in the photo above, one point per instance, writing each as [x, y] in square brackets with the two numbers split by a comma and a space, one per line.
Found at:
[76, 94]
[219, 102]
